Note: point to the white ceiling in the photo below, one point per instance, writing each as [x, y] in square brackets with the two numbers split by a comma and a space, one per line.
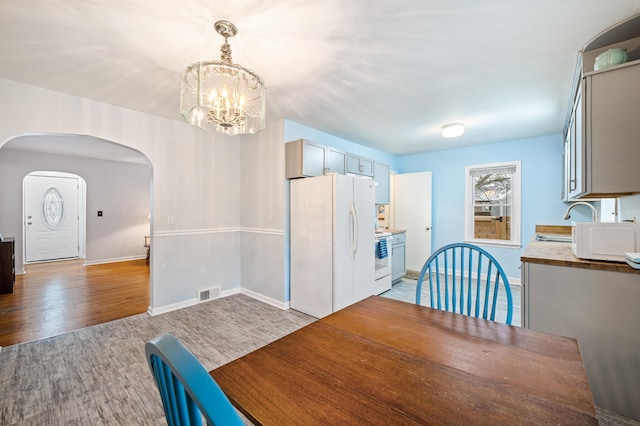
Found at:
[385, 74]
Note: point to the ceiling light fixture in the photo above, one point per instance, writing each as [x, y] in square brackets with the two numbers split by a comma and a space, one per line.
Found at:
[221, 95]
[452, 130]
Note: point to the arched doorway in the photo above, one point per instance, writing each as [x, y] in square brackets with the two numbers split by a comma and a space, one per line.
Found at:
[118, 210]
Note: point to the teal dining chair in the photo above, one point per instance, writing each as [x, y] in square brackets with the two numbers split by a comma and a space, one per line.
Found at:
[187, 390]
[466, 279]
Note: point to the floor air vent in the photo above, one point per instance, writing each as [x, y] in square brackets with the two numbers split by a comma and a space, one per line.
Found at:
[208, 294]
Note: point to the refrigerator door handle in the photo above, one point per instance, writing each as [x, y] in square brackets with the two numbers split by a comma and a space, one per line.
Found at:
[356, 230]
[352, 216]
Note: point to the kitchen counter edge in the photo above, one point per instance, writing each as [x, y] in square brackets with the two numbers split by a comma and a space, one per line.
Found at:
[560, 254]
[393, 231]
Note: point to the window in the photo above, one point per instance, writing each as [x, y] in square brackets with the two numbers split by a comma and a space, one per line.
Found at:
[492, 204]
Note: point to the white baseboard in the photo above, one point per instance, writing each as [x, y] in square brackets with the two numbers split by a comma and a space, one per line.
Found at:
[515, 281]
[226, 293]
[265, 299]
[113, 260]
[173, 307]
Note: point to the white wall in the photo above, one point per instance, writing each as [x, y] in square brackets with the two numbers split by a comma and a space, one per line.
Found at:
[196, 179]
[263, 216]
[120, 190]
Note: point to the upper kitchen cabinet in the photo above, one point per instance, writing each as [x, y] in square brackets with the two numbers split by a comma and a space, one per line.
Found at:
[612, 134]
[573, 153]
[304, 158]
[381, 174]
[334, 160]
[601, 135]
[359, 165]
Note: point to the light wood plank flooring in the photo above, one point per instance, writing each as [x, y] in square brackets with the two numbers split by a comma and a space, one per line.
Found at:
[57, 297]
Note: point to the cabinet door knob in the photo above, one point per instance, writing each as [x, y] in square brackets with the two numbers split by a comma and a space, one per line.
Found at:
[428, 228]
[28, 223]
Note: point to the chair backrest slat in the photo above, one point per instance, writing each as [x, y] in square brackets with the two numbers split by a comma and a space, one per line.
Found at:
[471, 282]
[187, 390]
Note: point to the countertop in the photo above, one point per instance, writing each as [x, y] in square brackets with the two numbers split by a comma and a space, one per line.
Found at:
[560, 254]
[393, 231]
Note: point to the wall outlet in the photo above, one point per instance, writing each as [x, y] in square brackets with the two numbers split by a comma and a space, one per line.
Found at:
[170, 219]
[99, 213]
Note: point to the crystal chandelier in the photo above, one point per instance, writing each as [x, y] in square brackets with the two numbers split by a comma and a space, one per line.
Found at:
[221, 95]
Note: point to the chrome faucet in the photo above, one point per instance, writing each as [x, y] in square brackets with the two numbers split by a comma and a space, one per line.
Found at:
[594, 212]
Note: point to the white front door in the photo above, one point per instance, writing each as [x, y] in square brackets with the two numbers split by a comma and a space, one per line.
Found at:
[411, 210]
[50, 217]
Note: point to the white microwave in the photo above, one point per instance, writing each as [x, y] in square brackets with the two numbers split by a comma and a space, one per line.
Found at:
[605, 241]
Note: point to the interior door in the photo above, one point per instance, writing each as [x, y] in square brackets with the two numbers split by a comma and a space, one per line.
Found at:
[411, 210]
[51, 217]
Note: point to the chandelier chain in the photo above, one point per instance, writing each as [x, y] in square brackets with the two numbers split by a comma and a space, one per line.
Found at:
[225, 52]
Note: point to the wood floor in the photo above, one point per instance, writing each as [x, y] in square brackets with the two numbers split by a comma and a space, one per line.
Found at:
[58, 297]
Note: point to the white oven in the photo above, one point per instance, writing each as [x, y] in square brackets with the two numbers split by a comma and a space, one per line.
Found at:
[383, 262]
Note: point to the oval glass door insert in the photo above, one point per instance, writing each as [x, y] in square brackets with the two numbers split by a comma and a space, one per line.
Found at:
[52, 208]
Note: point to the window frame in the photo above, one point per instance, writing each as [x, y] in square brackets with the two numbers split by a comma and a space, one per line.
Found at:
[516, 215]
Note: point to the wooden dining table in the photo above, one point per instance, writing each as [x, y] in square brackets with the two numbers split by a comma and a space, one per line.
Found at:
[382, 361]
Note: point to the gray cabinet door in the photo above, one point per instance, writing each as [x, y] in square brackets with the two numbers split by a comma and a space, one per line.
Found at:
[335, 161]
[398, 268]
[381, 176]
[353, 164]
[312, 159]
[575, 170]
[612, 127]
[359, 165]
[599, 309]
[366, 166]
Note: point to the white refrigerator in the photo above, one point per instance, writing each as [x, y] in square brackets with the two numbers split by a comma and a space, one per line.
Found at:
[332, 242]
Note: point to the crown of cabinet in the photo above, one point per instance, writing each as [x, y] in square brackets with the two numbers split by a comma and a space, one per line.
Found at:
[624, 35]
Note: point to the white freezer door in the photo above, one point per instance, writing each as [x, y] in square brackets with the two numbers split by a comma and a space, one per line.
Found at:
[312, 245]
[343, 237]
[364, 198]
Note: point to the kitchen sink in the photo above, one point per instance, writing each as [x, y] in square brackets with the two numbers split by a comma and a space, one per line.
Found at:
[554, 238]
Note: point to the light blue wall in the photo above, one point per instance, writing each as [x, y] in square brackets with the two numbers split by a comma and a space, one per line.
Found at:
[541, 160]
[293, 131]
[541, 183]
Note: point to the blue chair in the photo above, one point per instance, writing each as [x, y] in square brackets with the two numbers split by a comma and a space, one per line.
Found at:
[465, 279]
[187, 390]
